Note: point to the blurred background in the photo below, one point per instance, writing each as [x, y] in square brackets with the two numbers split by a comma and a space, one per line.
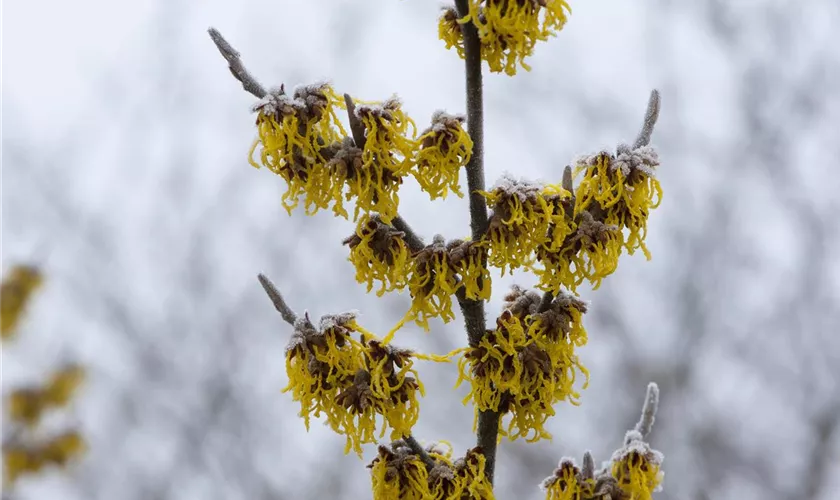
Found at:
[124, 146]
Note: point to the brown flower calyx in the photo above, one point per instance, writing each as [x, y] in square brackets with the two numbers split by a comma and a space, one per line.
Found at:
[307, 103]
[384, 243]
[535, 360]
[384, 111]
[424, 261]
[358, 397]
[445, 128]
[343, 158]
[400, 460]
[460, 250]
[308, 338]
[558, 318]
[521, 302]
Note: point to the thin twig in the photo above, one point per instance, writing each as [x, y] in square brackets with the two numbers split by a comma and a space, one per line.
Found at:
[648, 417]
[651, 115]
[419, 451]
[473, 310]
[249, 83]
[276, 297]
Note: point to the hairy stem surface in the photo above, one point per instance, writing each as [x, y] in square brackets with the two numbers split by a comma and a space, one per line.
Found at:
[473, 310]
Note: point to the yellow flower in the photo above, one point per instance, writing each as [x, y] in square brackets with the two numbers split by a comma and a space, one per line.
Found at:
[527, 364]
[449, 30]
[387, 156]
[589, 252]
[30, 459]
[398, 473]
[63, 384]
[526, 216]
[493, 367]
[15, 292]
[361, 386]
[567, 483]
[27, 405]
[432, 281]
[320, 362]
[379, 253]
[636, 468]
[471, 473]
[445, 148]
[508, 30]
[298, 135]
[394, 384]
[468, 259]
[624, 189]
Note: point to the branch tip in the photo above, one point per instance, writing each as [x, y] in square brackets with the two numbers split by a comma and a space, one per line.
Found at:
[651, 115]
[276, 297]
[237, 69]
[645, 424]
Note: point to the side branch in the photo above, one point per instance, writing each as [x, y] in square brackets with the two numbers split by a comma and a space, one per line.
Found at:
[237, 69]
[651, 115]
[276, 297]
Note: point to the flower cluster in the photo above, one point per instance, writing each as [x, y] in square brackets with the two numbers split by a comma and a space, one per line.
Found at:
[297, 138]
[508, 30]
[527, 363]
[27, 449]
[527, 216]
[354, 383]
[15, 292]
[379, 253]
[633, 473]
[302, 140]
[438, 270]
[398, 472]
[623, 189]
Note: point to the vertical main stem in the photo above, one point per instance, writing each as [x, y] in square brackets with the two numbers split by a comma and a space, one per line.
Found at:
[488, 421]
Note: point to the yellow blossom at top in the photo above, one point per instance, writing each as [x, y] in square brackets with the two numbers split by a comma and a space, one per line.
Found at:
[362, 386]
[624, 189]
[445, 148]
[508, 29]
[298, 135]
[526, 216]
[15, 293]
[379, 253]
